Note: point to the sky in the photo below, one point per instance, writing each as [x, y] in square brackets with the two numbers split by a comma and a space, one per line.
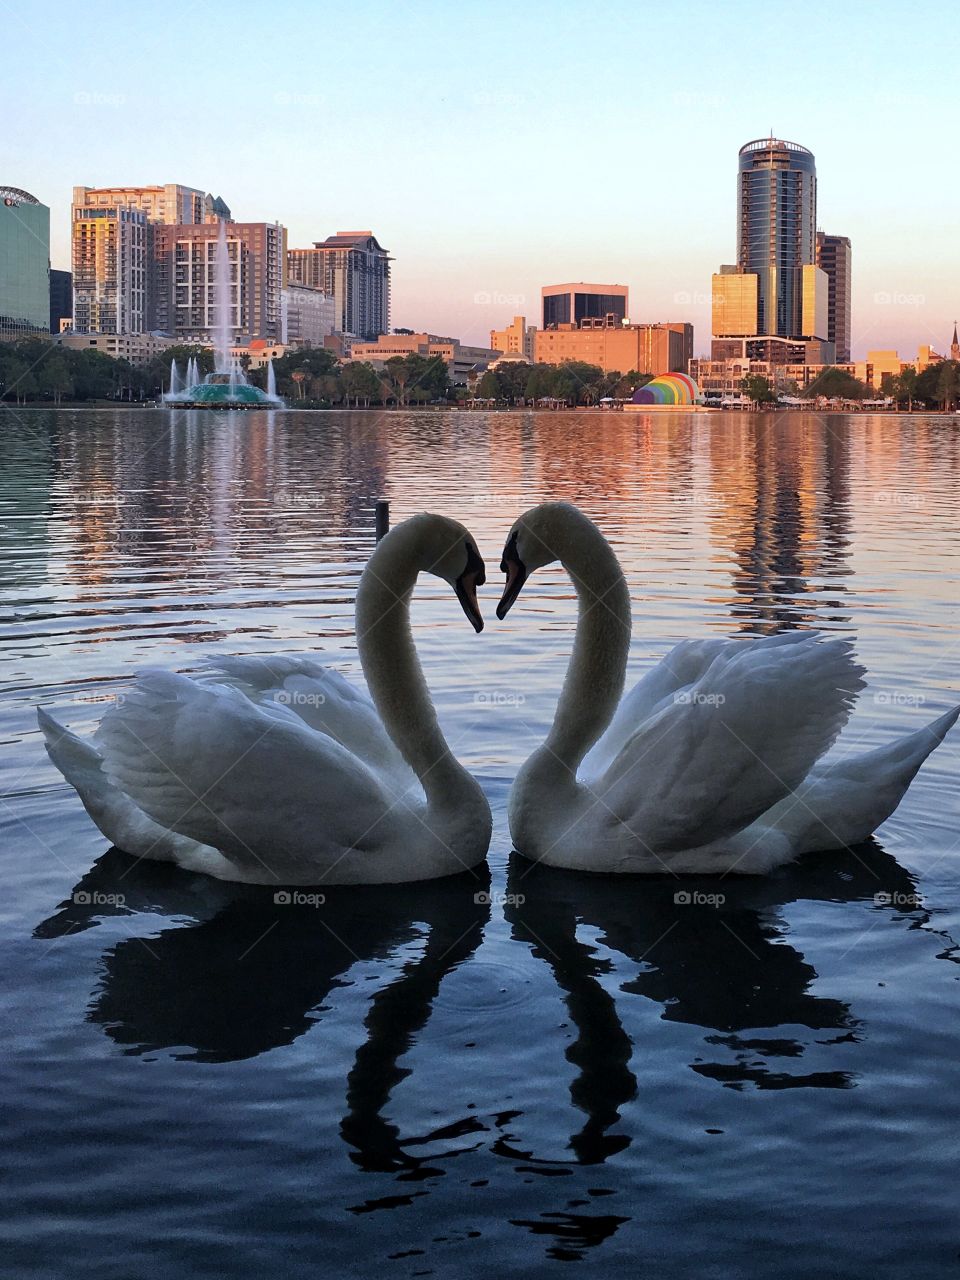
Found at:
[496, 148]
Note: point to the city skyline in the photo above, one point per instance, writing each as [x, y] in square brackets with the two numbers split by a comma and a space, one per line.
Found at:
[487, 180]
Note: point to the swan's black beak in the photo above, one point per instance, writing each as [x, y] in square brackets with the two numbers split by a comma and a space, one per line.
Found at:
[516, 572]
[473, 576]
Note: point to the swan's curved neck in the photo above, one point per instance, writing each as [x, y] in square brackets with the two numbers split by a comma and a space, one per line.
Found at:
[392, 669]
[594, 681]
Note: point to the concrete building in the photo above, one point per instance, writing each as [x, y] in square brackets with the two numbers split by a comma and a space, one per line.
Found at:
[621, 348]
[109, 252]
[574, 303]
[185, 299]
[461, 360]
[724, 377]
[353, 269]
[61, 300]
[24, 264]
[170, 203]
[259, 352]
[161, 205]
[308, 315]
[834, 257]
[516, 339]
[138, 348]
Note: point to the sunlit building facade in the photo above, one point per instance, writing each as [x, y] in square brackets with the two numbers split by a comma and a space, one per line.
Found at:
[734, 299]
[24, 264]
[618, 348]
[516, 339]
[109, 253]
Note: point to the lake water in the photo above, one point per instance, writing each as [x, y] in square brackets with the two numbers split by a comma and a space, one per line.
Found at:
[408, 1082]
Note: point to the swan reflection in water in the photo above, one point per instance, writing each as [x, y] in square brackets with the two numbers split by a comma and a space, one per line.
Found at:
[249, 976]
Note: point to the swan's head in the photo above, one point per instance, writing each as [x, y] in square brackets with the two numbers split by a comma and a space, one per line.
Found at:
[538, 538]
[448, 550]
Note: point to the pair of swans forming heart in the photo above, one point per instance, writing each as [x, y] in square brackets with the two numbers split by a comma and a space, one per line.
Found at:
[280, 771]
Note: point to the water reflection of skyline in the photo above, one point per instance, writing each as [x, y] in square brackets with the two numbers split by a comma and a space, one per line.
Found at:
[191, 499]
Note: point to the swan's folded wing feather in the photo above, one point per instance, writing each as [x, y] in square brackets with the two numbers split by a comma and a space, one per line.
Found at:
[322, 698]
[252, 781]
[720, 752]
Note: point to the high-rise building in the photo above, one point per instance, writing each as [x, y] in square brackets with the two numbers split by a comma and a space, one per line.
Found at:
[170, 204]
[61, 299]
[776, 227]
[184, 269]
[109, 249]
[573, 303]
[308, 316]
[353, 269]
[834, 257]
[24, 264]
[776, 293]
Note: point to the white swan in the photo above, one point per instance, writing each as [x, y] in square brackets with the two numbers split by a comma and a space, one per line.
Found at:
[712, 762]
[278, 770]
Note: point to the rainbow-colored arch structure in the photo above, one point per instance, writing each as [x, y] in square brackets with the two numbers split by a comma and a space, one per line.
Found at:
[671, 388]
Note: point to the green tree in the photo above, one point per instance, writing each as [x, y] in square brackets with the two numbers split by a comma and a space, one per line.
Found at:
[758, 388]
[907, 386]
[488, 387]
[948, 384]
[54, 378]
[834, 382]
[360, 382]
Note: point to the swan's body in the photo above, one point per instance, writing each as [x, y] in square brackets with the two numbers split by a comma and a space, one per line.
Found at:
[714, 760]
[278, 770]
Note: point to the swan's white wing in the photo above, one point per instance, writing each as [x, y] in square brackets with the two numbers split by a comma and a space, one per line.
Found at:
[678, 670]
[726, 748]
[117, 816]
[843, 800]
[253, 781]
[323, 699]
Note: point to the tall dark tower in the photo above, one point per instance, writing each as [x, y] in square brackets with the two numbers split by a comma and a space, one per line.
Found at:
[776, 229]
[955, 345]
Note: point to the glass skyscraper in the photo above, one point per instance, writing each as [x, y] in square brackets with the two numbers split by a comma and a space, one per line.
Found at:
[776, 229]
[24, 264]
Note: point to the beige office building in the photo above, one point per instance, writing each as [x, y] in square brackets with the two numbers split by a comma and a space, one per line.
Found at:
[460, 359]
[646, 348]
[516, 339]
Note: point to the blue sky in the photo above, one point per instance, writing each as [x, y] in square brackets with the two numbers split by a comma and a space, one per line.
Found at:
[498, 147]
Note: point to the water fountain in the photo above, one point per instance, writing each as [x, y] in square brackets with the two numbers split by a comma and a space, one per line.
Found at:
[227, 387]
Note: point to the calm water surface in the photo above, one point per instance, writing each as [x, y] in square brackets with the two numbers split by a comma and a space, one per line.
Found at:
[415, 1082]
